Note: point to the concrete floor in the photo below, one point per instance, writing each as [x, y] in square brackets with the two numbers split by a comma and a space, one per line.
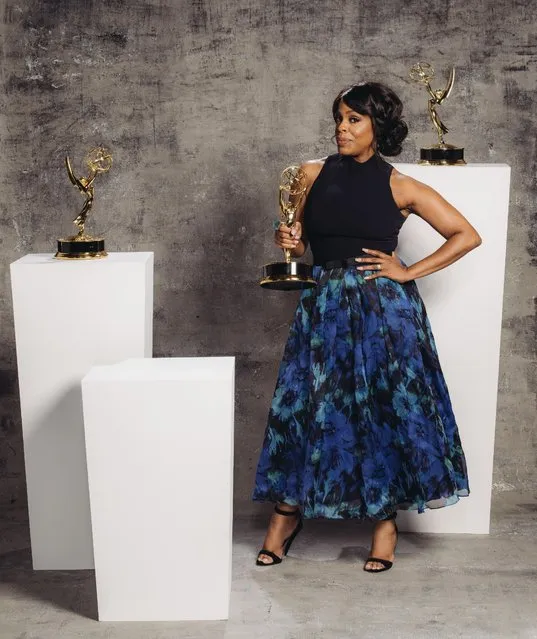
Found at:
[473, 586]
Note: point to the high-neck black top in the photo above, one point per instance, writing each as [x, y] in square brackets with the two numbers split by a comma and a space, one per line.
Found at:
[350, 206]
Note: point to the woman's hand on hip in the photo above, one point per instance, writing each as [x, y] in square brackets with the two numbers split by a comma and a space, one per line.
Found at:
[382, 265]
[288, 237]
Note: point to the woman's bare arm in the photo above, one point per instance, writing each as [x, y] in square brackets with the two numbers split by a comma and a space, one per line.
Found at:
[461, 237]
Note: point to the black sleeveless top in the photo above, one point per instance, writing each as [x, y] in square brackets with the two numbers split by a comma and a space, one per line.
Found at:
[349, 207]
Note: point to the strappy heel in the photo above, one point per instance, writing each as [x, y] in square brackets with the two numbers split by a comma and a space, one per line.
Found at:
[286, 542]
[387, 564]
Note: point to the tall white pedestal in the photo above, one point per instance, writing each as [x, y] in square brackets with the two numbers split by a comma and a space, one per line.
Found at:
[464, 304]
[70, 315]
[159, 443]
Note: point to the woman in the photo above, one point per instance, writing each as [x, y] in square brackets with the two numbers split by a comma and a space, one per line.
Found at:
[361, 422]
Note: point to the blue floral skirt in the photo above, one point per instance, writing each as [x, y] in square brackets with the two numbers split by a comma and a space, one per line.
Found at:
[361, 423]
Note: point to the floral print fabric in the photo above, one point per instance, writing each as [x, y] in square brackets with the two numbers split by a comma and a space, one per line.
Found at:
[361, 422]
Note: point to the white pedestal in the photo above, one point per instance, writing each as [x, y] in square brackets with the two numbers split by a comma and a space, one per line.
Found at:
[159, 444]
[70, 315]
[464, 303]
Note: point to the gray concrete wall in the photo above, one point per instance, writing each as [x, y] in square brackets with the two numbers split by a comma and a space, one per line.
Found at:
[203, 103]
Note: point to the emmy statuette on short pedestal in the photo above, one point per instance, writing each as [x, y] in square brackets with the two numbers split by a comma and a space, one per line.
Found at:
[289, 275]
[82, 245]
[441, 153]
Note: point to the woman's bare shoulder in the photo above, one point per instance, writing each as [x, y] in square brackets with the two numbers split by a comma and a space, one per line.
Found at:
[403, 187]
[412, 194]
[312, 168]
[403, 181]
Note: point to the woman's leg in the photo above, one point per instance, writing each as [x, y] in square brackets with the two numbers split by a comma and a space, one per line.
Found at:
[280, 528]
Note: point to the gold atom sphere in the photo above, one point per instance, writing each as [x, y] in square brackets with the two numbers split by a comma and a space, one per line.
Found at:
[293, 180]
[422, 72]
[99, 159]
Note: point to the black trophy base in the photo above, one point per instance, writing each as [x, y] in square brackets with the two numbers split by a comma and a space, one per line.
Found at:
[88, 248]
[287, 276]
[443, 155]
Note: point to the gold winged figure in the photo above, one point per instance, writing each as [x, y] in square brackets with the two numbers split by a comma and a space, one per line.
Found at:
[98, 160]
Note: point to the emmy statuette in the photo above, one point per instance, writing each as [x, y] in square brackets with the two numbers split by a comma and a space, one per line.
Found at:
[289, 275]
[82, 245]
[441, 153]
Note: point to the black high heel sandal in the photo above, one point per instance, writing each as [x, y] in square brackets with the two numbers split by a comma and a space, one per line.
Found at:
[387, 564]
[286, 542]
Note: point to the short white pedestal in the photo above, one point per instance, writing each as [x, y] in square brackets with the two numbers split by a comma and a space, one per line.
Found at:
[464, 303]
[70, 315]
[159, 445]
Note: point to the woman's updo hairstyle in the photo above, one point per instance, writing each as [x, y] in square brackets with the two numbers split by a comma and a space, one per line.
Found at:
[384, 108]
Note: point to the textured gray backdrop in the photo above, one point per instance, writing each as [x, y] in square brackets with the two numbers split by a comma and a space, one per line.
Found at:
[203, 103]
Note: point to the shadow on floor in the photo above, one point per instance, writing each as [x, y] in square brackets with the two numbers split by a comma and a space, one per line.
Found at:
[72, 590]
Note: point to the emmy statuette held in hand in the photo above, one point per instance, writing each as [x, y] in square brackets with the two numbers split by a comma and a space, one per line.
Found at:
[82, 245]
[441, 153]
[289, 275]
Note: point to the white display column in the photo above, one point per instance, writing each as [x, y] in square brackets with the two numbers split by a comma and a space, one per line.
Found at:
[159, 445]
[464, 304]
[70, 315]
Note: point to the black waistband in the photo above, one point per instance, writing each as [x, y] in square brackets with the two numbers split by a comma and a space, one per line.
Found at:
[349, 261]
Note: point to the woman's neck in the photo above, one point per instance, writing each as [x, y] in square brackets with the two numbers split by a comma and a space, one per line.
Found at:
[364, 157]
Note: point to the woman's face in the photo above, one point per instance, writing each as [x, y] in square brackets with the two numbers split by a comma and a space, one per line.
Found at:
[354, 132]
